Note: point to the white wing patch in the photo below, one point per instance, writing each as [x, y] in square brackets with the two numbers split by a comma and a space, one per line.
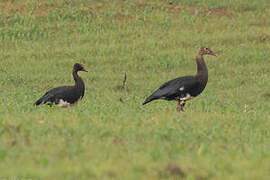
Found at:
[182, 88]
[63, 103]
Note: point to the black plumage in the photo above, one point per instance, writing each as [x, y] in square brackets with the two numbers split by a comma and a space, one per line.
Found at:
[65, 95]
[184, 88]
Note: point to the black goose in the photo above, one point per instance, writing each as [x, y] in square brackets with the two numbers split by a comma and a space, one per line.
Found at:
[184, 88]
[65, 95]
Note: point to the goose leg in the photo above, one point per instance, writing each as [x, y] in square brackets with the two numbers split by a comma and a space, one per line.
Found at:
[180, 106]
[183, 103]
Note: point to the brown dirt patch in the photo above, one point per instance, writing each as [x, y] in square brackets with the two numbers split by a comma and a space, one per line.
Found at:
[142, 4]
[172, 7]
[172, 170]
[10, 7]
[266, 95]
[219, 12]
[117, 141]
[194, 10]
[43, 8]
[121, 17]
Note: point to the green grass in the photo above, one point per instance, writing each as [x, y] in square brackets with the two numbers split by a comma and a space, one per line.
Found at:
[224, 133]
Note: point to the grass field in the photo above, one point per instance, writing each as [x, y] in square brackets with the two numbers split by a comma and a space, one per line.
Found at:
[224, 133]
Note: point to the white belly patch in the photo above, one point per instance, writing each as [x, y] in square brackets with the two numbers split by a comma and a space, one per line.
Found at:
[63, 103]
[187, 97]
